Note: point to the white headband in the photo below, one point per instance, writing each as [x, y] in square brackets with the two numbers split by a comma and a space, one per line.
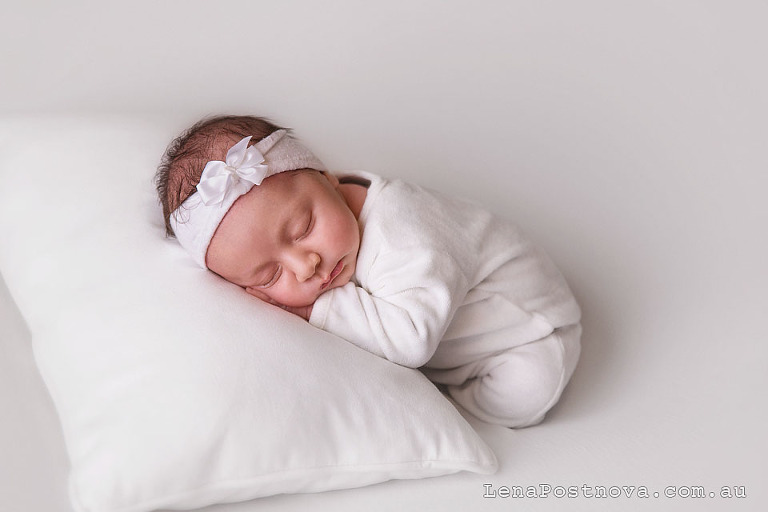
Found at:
[222, 183]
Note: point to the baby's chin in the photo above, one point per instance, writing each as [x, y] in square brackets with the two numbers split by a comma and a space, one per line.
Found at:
[340, 281]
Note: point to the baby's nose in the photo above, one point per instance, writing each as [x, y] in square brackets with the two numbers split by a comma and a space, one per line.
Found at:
[306, 266]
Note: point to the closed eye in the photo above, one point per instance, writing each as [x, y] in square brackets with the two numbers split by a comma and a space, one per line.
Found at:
[273, 279]
[307, 229]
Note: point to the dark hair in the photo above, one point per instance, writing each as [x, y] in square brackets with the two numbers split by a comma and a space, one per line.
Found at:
[184, 160]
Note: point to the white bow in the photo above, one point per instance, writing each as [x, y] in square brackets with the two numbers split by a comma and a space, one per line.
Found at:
[242, 163]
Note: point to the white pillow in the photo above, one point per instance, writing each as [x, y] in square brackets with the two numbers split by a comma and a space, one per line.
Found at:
[174, 388]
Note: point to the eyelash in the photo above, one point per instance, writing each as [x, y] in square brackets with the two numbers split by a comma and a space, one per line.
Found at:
[273, 279]
[308, 228]
[278, 272]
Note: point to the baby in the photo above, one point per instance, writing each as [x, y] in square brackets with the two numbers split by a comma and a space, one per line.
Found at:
[408, 274]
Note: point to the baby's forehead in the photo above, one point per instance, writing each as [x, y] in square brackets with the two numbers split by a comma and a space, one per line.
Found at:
[286, 191]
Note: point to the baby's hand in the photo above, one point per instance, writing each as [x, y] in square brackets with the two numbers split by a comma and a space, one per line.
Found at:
[302, 311]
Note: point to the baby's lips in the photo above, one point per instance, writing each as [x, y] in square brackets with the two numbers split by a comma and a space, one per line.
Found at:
[334, 274]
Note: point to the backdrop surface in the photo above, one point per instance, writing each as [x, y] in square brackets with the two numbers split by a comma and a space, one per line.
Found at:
[628, 138]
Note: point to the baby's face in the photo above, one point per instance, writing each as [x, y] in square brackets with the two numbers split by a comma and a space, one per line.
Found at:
[288, 240]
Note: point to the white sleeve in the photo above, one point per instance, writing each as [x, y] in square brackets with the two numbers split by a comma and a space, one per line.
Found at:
[405, 310]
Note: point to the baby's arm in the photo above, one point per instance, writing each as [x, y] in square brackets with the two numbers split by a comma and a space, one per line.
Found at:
[403, 311]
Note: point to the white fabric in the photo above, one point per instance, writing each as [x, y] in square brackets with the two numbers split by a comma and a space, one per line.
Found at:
[443, 283]
[174, 388]
[223, 182]
[241, 163]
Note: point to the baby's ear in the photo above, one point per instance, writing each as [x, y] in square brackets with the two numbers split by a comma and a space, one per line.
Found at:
[331, 177]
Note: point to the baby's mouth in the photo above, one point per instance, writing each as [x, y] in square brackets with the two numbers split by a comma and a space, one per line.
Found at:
[335, 272]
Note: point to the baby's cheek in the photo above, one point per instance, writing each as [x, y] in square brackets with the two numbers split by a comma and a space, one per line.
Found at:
[258, 293]
[293, 296]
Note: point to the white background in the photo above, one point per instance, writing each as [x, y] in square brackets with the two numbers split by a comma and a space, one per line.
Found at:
[628, 138]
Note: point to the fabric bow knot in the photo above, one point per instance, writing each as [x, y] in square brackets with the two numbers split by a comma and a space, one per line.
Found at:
[242, 163]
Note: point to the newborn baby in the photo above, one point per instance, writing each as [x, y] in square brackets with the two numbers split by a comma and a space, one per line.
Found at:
[424, 280]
